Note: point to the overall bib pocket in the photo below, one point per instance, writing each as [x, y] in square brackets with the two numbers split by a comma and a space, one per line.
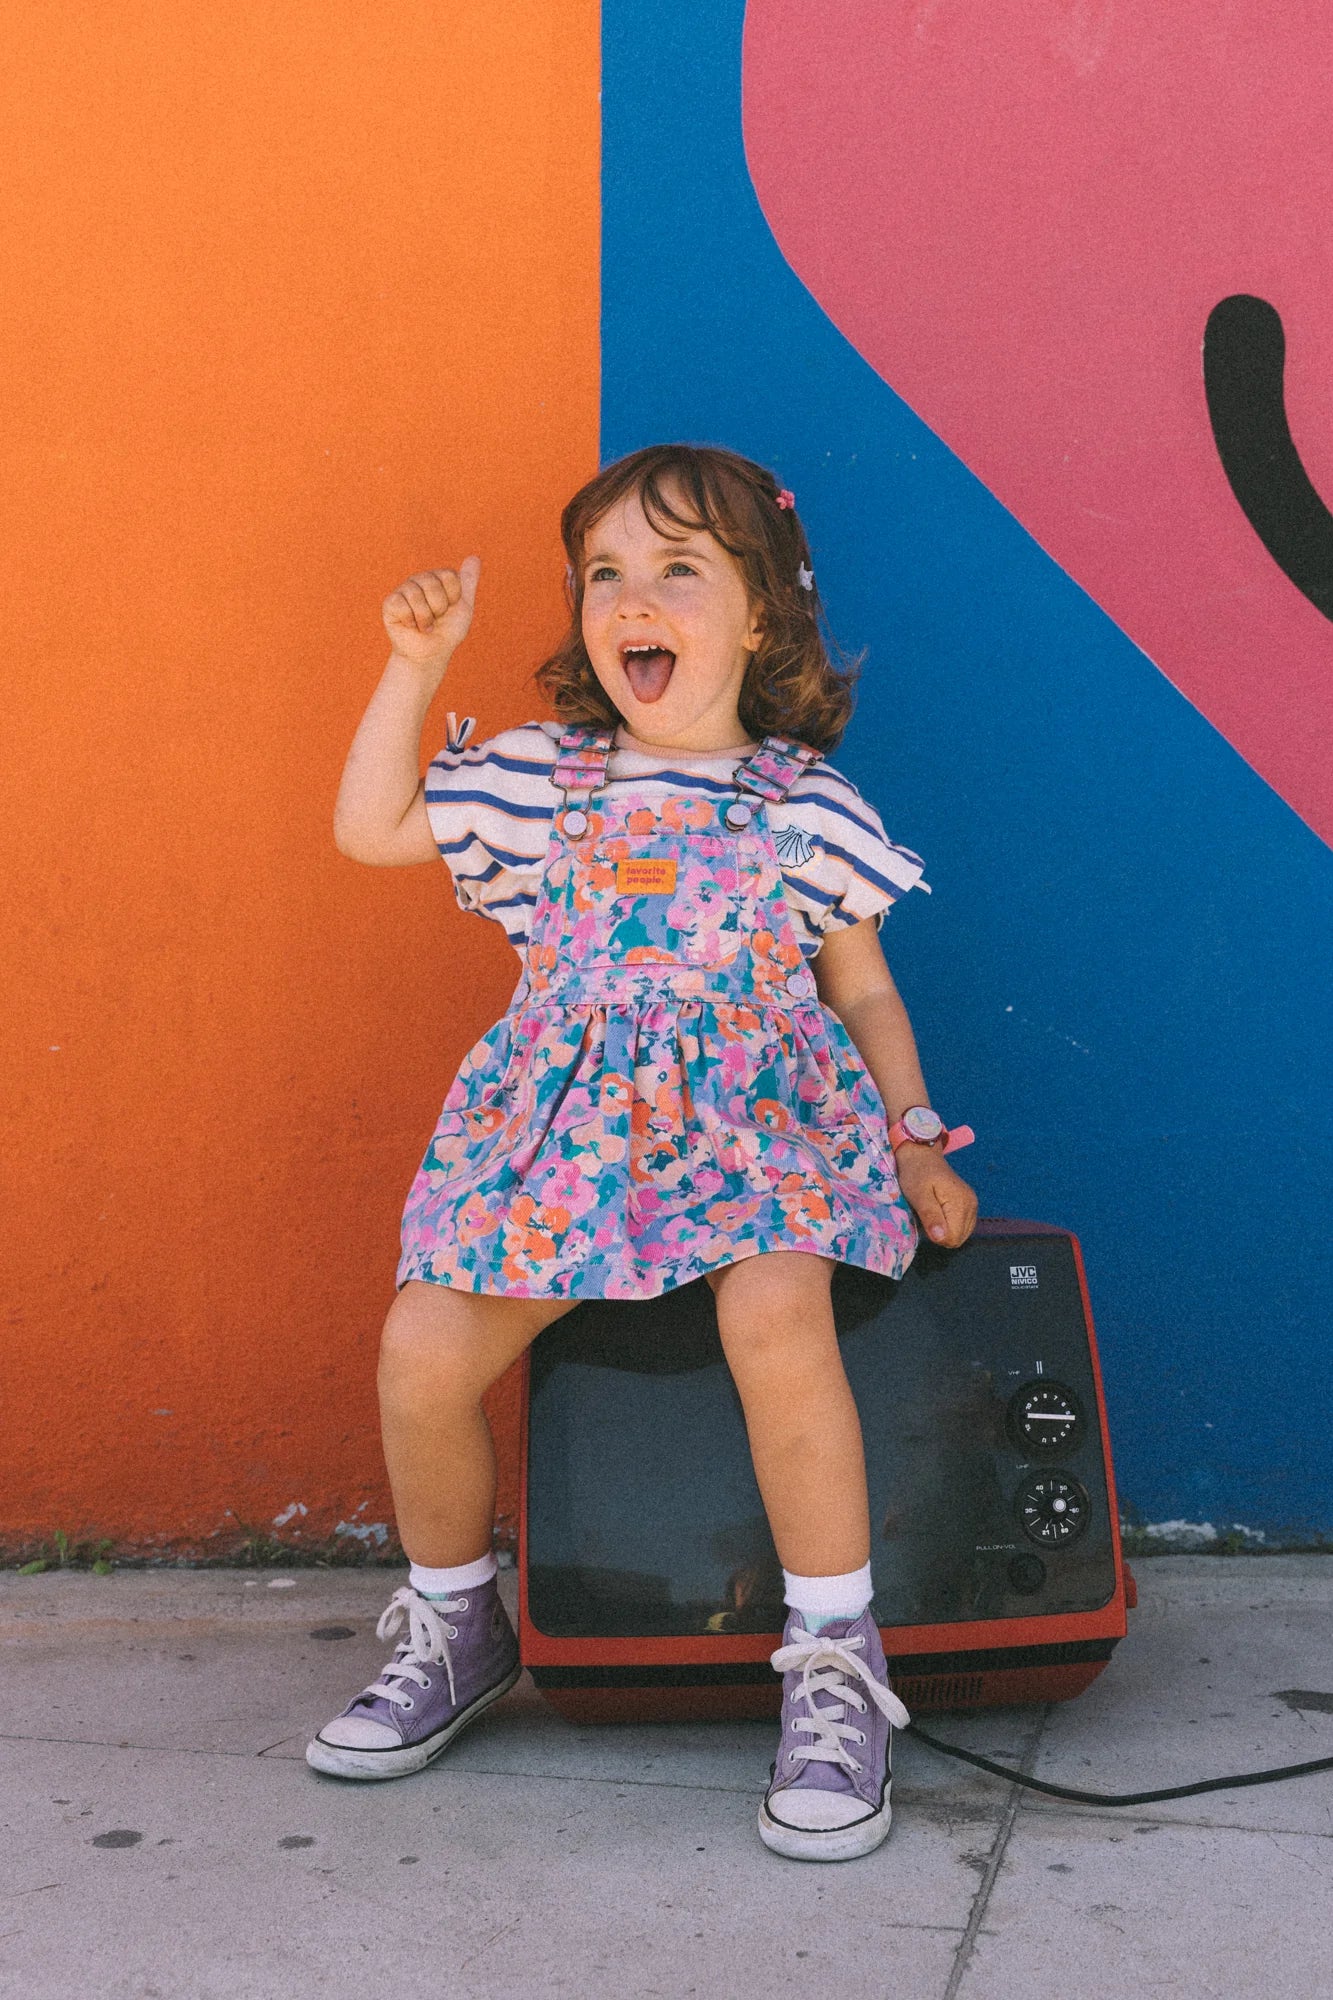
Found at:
[668, 899]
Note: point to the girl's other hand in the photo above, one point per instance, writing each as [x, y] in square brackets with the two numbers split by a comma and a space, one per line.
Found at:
[944, 1202]
[429, 615]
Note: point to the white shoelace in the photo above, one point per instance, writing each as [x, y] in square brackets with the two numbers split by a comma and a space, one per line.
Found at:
[809, 1653]
[427, 1644]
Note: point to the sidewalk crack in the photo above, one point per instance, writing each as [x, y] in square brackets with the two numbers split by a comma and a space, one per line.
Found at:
[994, 1862]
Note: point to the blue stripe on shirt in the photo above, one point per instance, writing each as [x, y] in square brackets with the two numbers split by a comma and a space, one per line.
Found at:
[538, 766]
[867, 874]
[489, 799]
[809, 889]
[502, 857]
[683, 780]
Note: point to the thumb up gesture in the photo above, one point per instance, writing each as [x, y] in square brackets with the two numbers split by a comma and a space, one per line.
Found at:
[429, 615]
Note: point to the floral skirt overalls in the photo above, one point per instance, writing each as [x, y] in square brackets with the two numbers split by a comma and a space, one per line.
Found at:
[665, 1093]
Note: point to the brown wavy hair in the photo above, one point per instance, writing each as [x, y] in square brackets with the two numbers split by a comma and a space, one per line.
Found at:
[797, 683]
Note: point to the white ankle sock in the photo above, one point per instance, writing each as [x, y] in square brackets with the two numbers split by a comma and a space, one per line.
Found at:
[436, 1583]
[821, 1599]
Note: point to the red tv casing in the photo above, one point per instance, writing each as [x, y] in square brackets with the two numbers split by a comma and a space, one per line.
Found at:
[963, 1663]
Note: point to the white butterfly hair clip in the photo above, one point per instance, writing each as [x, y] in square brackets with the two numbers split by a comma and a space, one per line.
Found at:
[807, 577]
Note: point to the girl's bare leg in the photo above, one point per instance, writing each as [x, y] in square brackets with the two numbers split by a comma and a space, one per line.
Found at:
[775, 1317]
[440, 1351]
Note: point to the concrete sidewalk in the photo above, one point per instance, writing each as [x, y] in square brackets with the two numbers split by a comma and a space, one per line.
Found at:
[163, 1838]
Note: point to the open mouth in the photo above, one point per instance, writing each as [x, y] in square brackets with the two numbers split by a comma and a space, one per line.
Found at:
[648, 669]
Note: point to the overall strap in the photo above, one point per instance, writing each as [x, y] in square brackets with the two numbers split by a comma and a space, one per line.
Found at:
[775, 767]
[580, 765]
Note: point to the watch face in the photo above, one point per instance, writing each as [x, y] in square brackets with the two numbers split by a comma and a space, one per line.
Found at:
[922, 1124]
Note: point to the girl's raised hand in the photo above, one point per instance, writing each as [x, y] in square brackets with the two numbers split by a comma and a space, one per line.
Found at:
[946, 1206]
[429, 615]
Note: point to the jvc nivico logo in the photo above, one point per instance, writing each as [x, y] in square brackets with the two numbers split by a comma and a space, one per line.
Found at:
[1023, 1276]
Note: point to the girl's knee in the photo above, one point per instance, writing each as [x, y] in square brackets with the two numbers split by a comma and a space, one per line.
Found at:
[419, 1311]
[457, 1343]
[426, 1338]
[778, 1322]
[780, 1292]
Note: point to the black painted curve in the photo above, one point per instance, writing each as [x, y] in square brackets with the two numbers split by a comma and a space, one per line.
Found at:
[1244, 356]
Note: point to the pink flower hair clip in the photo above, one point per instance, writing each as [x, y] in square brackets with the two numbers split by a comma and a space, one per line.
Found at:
[785, 498]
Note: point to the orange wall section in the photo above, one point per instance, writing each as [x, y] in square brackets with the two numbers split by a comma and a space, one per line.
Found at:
[298, 299]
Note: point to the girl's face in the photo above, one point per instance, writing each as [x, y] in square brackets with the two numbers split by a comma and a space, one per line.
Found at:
[669, 628]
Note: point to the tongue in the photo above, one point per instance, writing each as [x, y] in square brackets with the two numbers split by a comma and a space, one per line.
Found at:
[649, 673]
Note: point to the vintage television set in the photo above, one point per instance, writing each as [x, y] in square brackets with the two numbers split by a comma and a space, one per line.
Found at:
[649, 1587]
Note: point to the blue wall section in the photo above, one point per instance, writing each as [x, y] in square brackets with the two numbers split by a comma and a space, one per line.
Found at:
[1125, 966]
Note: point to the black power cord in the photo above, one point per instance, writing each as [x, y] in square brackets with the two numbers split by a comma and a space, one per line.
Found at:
[1013, 1777]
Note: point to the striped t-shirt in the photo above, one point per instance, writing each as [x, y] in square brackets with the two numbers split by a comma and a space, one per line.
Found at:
[491, 805]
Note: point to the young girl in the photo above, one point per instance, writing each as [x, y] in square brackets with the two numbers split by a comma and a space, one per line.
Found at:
[705, 1071]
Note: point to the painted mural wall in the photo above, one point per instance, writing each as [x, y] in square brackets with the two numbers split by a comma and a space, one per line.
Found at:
[1026, 302]
[1004, 292]
[283, 322]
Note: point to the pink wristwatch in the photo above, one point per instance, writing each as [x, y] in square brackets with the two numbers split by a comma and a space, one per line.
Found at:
[925, 1127]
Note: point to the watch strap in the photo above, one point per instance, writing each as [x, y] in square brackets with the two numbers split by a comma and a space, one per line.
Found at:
[947, 1141]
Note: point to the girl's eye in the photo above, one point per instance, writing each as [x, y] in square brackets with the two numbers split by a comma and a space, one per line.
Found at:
[605, 573]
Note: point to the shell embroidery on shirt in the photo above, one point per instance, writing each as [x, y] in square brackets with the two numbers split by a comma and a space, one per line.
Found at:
[795, 846]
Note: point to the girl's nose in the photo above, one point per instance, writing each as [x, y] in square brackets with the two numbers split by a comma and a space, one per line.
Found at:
[635, 599]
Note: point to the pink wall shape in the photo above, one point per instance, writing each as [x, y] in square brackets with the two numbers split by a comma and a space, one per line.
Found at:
[1021, 213]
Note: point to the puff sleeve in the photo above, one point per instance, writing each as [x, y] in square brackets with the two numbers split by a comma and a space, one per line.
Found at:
[490, 816]
[868, 879]
[839, 865]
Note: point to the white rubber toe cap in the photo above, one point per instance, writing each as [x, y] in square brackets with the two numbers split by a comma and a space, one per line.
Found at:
[360, 1732]
[817, 1811]
[823, 1833]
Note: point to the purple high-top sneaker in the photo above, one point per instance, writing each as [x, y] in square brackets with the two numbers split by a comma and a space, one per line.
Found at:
[829, 1799]
[460, 1655]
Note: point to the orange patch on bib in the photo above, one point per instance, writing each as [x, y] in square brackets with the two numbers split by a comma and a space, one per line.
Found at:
[646, 877]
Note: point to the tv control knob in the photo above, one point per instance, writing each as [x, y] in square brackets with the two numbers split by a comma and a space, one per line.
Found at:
[1045, 1419]
[1027, 1574]
[1053, 1509]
